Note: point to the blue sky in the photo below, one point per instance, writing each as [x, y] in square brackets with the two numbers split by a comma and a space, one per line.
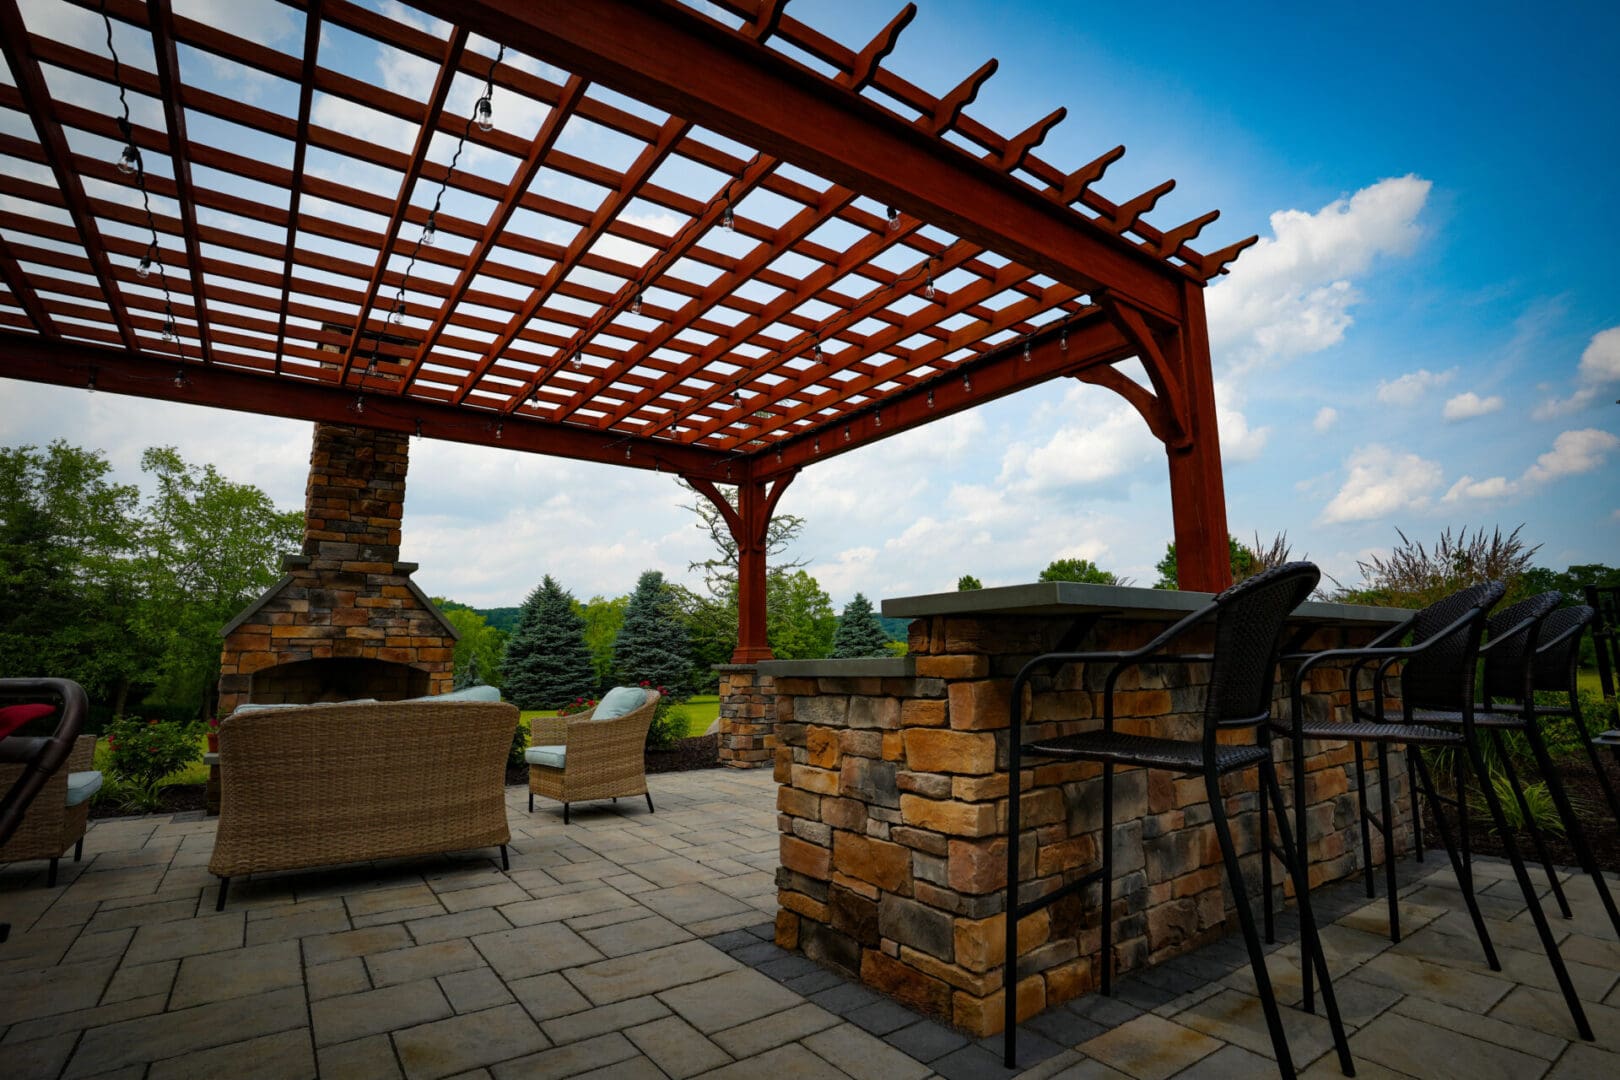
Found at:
[1427, 336]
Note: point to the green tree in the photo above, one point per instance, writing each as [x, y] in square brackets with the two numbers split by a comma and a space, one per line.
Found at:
[547, 664]
[799, 619]
[1245, 563]
[603, 618]
[967, 583]
[652, 645]
[1081, 570]
[859, 632]
[69, 547]
[480, 650]
[211, 547]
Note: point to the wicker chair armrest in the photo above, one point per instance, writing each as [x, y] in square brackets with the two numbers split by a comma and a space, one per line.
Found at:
[548, 730]
[82, 758]
[625, 734]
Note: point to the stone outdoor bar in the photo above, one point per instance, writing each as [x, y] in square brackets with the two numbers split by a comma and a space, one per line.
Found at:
[893, 797]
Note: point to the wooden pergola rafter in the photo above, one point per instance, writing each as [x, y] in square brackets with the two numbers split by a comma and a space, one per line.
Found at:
[890, 259]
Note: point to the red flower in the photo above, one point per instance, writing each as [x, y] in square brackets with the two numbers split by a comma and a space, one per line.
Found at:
[213, 723]
[151, 723]
[151, 749]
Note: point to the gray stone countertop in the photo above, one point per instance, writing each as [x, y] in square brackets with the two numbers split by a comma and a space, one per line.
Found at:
[1057, 598]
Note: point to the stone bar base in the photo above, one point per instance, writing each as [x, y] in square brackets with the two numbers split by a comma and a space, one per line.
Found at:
[893, 816]
[747, 717]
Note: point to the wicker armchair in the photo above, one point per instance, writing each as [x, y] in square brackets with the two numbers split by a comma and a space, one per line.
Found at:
[353, 782]
[603, 759]
[52, 826]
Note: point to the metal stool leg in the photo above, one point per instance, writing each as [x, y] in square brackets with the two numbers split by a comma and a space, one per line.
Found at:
[1251, 934]
[1465, 880]
[1311, 955]
[1592, 756]
[1536, 838]
[1572, 824]
[1265, 867]
[1387, 828]
[1107, 956]
[1531, 900]
[1364, 811]
[1411, 794]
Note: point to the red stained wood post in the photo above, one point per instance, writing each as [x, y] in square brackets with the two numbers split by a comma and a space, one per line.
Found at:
[1197, 491]
[749, 522]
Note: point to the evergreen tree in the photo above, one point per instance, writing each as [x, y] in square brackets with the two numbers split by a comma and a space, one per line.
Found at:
[652, 645]
[968, 583]
[859, 632]
[547, 663]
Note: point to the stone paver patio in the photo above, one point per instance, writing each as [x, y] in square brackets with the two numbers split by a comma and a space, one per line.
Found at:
[639, 945]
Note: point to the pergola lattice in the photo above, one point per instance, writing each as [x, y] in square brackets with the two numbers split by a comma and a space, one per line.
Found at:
[889, 260]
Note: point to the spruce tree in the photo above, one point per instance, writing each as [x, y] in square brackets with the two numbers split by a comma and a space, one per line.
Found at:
[652, 645]
[859, 632]
[547, 662]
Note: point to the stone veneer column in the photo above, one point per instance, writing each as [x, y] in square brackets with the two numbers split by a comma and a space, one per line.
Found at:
[893, 815]
[747, 716]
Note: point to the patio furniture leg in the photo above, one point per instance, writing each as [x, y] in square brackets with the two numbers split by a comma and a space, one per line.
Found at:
[1387, 802]
[1251, 934]
[1311, 956]
[5, 932]
[1107, 946]
[1411, 795]
[505, 865]
[565, 813]
[78, 850]
[1265, 870]
[531, 802]
[1460, 769]
[50, 876]
[1548, 945]
[650, 809]
[224, 886]
[1366, 837]
[1302, 879]
[1572, 824]
[1530, 826]
[1465, 880]
[1592, 756]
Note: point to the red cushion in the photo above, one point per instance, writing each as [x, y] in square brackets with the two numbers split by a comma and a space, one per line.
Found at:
[13, 717]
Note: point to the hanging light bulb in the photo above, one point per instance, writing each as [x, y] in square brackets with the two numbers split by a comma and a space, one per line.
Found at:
[578, 360]
[846, 433]
[499, 429]
[130, 161]
[359, 405]
[877, 419]
[90, 384]
[484, 114]
[179, 378]
[627, 453]
[143, 269]
[1063, 338]
[635, 305]
[1026, 350]
[419, 428]
[779, 455]
[929, 290]
[894, 220]
[398, 314]
[818, 351]
[967, 384]
[930, 399]
[728, 220]
[736, 397]
[534, 398]
[430, 231]
[169, 333]
[371, 368]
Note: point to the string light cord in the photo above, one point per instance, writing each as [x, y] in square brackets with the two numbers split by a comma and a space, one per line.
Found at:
[131, 162]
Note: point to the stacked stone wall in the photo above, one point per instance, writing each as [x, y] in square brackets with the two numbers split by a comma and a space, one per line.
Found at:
[747, 717]
[893, 818]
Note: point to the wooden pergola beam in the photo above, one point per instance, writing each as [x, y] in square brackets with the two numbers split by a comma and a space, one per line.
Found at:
[306, 97]
[224, 386]
[675, 60]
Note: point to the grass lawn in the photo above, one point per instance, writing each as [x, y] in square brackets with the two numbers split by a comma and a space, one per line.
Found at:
[1588, 680]
[700, 711]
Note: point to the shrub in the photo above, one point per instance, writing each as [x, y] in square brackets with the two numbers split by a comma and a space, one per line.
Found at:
[1536, 797]
[578, 705]
[142, 753]
[520, 743]
[668, 722]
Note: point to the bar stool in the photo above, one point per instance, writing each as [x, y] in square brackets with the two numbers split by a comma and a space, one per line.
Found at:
[1557, 662]
[1248, 621]
[1437, 678]
[1513, 673]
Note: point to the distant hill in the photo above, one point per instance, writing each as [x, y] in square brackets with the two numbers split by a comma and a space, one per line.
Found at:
[897, 629]
[501, 618]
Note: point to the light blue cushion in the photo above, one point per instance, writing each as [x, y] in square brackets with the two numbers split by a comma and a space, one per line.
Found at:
[552, 756]
[471, 693]
[82, 785]
[252, 707]
[618, 701]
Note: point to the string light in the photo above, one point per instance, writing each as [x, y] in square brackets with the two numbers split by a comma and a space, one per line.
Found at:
[179, 378]
[846, 433]
[578, 359]
[627, 453]
[430, 231]
[144, 269]
[877, 419]
[398, 314]
[728, 220]
[419, 428]
[1026, 350]
[929, 290]
[484, 110]
[534, 398]
[818, 351]
[130, 160]
[779, 455]
[371, 368]
[737, 397]
[90, 383]
[359, 405]
[500, 428]
[1063, 338]
[930, 399]
[818, 444]
[635, 305]
[894, 220]
[967, 383]
[169, 333]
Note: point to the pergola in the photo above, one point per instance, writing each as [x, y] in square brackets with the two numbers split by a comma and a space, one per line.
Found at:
[726, 248]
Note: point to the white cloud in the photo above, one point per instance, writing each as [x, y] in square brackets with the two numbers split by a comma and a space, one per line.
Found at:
[1326, 417]
[1573, 452]
[1467, 487]
[1599, 366]
[1410, 388]
[1291, 293]
[1468, 405]
[1104, 439]
[1382, 481]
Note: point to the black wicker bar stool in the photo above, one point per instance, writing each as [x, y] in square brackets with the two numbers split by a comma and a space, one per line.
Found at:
[1605, 603]
[1248, 621]
[1513, 656]
[1437, 677]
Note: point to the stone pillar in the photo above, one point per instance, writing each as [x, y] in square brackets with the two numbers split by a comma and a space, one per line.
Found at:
[747, 716]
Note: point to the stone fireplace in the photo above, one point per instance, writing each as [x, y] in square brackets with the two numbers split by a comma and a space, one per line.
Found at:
[346, 621]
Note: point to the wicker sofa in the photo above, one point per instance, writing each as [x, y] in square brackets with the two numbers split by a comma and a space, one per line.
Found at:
[323, 784]
[578, 758]
[59, 813]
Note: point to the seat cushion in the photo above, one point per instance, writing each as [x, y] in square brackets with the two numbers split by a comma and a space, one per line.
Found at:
[618, 701]
[469, 693]
[549, 756]
[82, 785]
[13, 717]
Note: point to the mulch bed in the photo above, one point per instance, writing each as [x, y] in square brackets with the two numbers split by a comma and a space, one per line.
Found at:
[702, 752]
[1597, 820]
